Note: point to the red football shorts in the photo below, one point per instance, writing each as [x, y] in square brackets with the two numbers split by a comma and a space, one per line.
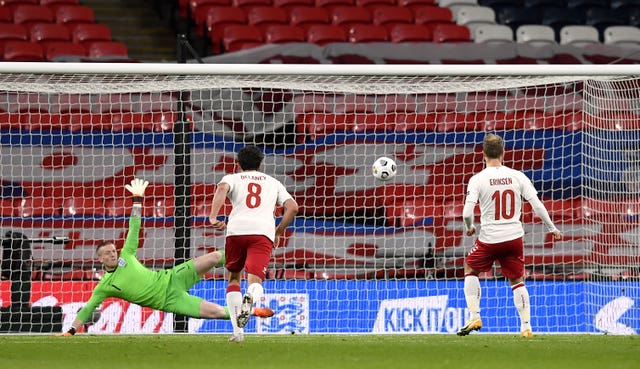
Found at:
[509, 254]
[248, 252]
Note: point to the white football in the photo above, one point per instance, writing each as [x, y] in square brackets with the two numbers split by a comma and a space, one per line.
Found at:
[384, 168]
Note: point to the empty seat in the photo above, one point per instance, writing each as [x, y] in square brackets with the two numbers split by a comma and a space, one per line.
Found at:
[451, 33]
[23, 51]
[218, 19]
[55, 4]
[280, 34]
[307, 16]
[90, 32]
[239, 37]
[263, 17]
[82, 206]
[45, 32]
[348, 16]
[623, 36]
[30, 14]
[370, 4]
[107, 49]
[37, 207]
[389, 16]
[330, 4]
[326, 34]
[410, 33]
[247, 5]
[474, 16]
[433, 16]
[578, 36]
[289, 5]
[362, 33]
[493, 33]
[603, 18]
[199, 11]
[61, 50]
[413, 4]
[74, 14]
[454, 5]
[12, 32]
[535, 35]
[6, 14]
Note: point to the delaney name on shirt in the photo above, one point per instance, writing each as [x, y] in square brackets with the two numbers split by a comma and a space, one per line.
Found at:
[253, 177]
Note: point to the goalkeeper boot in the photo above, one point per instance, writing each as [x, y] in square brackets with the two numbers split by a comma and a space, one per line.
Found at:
[262, 312]
[239, 337]
[527, 333]
[245, 311]
[472, 325]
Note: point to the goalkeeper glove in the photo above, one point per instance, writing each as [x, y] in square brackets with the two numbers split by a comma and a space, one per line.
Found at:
[68, 333]
[137, 188]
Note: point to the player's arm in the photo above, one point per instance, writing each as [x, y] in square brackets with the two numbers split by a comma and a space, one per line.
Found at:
[218, 201]
[530, 194]
[136, 188]
[469, 205]
[290, 210]
[83, 314]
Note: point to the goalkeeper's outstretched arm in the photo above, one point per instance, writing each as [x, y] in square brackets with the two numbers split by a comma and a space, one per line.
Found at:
[136, 188]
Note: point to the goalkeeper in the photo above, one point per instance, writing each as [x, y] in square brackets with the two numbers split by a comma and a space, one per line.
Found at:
[165, 290]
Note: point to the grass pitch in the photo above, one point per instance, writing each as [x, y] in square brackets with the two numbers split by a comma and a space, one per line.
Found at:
[477, 351]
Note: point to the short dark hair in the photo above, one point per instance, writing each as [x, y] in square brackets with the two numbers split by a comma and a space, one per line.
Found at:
[250, 158]
[493, 147]
[103, 244]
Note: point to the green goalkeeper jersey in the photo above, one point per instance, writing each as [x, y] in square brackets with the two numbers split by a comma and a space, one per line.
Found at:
[130, 281]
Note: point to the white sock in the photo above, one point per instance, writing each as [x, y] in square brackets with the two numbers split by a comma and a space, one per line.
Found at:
[521, 300]
[234, 302]
[256, 291]
[472, 293]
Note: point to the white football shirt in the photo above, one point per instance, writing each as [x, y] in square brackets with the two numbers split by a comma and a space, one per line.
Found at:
[254, 196]
[500, 191]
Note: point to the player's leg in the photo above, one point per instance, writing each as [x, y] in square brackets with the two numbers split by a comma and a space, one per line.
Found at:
[258, 255]
[479, 259]
[513, 269]
[235, 251]
[205, 263]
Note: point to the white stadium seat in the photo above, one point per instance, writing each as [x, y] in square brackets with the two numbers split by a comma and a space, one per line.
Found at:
[579, 35]
[474, 16]
[493, 33]
[535, 35]
[624, 36]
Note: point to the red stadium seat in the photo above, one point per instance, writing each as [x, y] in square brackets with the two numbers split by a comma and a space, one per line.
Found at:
[389, 16]
[239, 37]
[45, 32]
[432, 16]
[308, 16]
[354, 104]
[107, 49]
[89, 32]
[410, 33]
[331, 4]
[74, 14]
[362, 33]
[263, 17]
[23, 51]
[326, 34]
[247, 5]
[12, 32]
[279, 34]
[289, 5]
[413, 4]
[60, 50]
[199, 11]
[36, 207]
[82, 206]
[451, 33]
[55, 4]
[30, 14]
[370, 4]
[218, 19]
[6, 14]
[348, 16]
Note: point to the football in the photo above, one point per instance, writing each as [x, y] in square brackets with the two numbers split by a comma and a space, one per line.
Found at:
[384, 168]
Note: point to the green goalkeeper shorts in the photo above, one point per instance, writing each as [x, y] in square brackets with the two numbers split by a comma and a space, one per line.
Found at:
[179, 301]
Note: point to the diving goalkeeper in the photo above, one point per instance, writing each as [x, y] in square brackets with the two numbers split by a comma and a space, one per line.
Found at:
[165, 290]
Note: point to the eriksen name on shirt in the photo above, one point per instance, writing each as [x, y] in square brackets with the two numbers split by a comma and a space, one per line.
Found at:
[500, 181]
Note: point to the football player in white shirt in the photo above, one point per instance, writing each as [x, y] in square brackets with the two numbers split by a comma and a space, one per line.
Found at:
[500, 191]
[251, 230]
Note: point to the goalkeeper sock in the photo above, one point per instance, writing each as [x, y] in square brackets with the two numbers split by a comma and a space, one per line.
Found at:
[226, 310]
[223, 260]
[256, 291]
[234, 303]
[472, 293]
[521, 300]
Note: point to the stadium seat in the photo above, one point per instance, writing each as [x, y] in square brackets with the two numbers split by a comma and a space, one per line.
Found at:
[247, 5]
[389, 16]
[239, 37]
[330, 4]
[326, 34]
[82, 207]
[306, 16]
[12, 32]
[23, 51]
[454, 5]
[30, 14]
[12, 4]
[413, 4]
[557, 18]
[218, 19]
[578, 36]
[348, 16]
[474, 16]
[64, 51]
[279, 34]
[85, 33]
[451, 33]
[45, 32]
[536, 35]
[370, 4]
[37, 207]
[70, 103]
[263, 17]
[289, 5]
[433, 16]
[199, 11]
[517, 16]
[493, 33]
[410, 33]
[603, 18]
[74, 14]
[623, 36]
[107, 49]
[55, 4]
[363, 33]
[6, 14]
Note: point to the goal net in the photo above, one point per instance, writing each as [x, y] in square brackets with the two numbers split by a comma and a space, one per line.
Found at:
[363, 256]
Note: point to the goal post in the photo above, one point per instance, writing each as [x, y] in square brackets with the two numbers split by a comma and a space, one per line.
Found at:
[363, 256]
